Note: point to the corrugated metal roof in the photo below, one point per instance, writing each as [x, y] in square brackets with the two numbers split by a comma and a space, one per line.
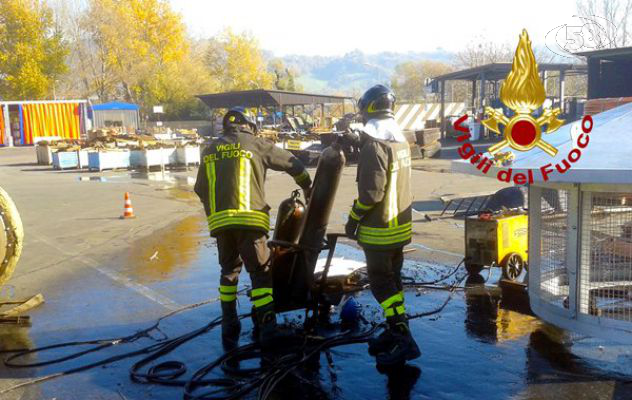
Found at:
[412, 116]
[266, 98]
[619, 52]
[498, 71]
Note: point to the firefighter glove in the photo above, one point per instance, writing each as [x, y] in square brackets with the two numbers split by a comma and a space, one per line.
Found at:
[351, 228]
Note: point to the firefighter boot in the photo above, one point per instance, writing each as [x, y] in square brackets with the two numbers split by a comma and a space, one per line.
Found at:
[255, 324]
[378, 344]
[403, 347]
[270, 334]
[231, 327]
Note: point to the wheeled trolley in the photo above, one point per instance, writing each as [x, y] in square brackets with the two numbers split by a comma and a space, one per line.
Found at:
[497, 240]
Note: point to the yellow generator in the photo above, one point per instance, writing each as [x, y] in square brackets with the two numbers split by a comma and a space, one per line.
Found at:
[497, 240]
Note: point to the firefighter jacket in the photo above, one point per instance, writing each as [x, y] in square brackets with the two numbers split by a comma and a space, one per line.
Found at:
[230, 181]
[383, 206]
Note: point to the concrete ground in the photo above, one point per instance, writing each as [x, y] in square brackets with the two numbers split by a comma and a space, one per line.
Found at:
[101, 275]
[71, 218]
[73, 231]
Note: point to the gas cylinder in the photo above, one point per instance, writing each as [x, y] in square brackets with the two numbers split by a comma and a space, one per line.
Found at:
[293, 272]
[321, 201]
[289, 219]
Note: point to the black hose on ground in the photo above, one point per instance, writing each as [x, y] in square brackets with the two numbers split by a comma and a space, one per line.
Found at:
[170, 373]
[408, 281]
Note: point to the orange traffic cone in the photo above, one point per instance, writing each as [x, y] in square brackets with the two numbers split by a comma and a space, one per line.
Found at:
[129, 211]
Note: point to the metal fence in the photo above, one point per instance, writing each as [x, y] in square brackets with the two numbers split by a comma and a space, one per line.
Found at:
[605, 287]
[580, 277]
[553, 246]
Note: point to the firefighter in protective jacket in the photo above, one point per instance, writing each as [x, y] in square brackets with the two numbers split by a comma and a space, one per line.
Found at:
[380, 219]
[230, 184]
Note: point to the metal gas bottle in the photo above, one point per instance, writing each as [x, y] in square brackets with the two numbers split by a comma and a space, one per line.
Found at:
[289, 219]
[293, 271]
[321, 202]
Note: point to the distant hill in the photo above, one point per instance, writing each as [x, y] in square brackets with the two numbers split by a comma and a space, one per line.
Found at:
[354, 71]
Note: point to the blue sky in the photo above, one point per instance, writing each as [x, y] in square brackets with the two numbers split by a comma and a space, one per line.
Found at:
[327, 27]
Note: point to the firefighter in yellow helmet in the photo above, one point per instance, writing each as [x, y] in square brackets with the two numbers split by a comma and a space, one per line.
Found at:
[380, 219]
[230, 184]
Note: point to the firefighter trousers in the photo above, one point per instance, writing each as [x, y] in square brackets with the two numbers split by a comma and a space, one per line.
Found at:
[384, 268]
[238, 247]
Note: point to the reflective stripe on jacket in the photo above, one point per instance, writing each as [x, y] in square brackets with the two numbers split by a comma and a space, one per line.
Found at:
[383, 207]
[230, 181]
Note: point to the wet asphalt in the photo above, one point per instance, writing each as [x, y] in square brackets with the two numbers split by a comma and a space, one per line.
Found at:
[483, 345]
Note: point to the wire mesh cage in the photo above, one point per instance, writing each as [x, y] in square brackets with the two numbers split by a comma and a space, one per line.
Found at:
[580, 245]
[554, 229]
[606, 254]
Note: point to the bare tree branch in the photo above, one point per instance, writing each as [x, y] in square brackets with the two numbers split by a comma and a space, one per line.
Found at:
[607, 21]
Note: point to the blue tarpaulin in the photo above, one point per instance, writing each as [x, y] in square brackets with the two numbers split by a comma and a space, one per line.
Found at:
[115, 105]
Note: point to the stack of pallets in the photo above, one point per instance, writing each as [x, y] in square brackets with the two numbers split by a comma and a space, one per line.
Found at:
[428, 141]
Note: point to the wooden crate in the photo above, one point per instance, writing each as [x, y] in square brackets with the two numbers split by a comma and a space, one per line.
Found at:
[431, 150]
[427, 136]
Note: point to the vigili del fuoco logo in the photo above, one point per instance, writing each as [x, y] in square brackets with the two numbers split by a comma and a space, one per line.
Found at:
[522, 92]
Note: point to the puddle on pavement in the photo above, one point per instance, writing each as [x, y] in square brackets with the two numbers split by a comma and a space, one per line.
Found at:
[170, 251]
[166, 177]
[483, 345]
[179, 187]
[14, 337]
[17, 338]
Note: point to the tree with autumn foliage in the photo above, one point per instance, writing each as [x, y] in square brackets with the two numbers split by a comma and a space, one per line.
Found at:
[32, 52]
[409, 79]
[140, 42]
[284, 76]
[237, 62]
[137, 51]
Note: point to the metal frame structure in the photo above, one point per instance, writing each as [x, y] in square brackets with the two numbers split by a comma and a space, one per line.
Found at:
[5, 130]
[575, 313]
[127, 113]
[494, 73]
[609, 72]
[580, 226]
[279, 99]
